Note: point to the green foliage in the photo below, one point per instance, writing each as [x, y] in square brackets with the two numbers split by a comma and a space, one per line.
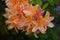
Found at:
[52, 2]
[45, 5]
[48, 36]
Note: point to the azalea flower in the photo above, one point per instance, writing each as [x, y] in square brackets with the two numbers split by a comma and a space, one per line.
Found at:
[43, 23]
[24, 16]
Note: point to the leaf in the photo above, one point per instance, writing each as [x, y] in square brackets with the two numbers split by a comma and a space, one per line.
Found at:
[45, 5]
[52, 2]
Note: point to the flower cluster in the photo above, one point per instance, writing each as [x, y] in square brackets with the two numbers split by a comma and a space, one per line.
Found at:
[24, 16]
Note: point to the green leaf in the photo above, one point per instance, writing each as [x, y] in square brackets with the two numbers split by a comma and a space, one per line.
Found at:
[39, 2]
[45, 5]
[52, 2]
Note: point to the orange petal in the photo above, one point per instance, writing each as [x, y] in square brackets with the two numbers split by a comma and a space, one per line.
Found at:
[40, 20]
[13, 1]
[34, 10]
[47, 15]
[29, 18]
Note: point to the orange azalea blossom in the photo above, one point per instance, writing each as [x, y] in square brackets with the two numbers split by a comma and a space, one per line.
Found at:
[43, 23]
[24, 16]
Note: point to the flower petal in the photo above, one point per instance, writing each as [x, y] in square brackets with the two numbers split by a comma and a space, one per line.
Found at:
[26, 12]
[51, 18]
[42, 29]
[47, 15]
[35, 29]
[10, 27]
[50, 25]
[35, 35]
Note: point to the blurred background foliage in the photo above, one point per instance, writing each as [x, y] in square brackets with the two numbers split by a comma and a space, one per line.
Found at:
[51, 34]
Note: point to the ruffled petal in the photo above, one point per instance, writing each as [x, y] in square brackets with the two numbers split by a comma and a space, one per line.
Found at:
[10, 27]
[35, 29]
[43, 29]
[50, 25]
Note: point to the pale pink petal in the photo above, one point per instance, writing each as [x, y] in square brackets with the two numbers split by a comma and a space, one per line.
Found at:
[10, 27]
[50, 25]
[26, 12]
[35, 35]
[35, 29]
[51, 18]
[42, 29]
